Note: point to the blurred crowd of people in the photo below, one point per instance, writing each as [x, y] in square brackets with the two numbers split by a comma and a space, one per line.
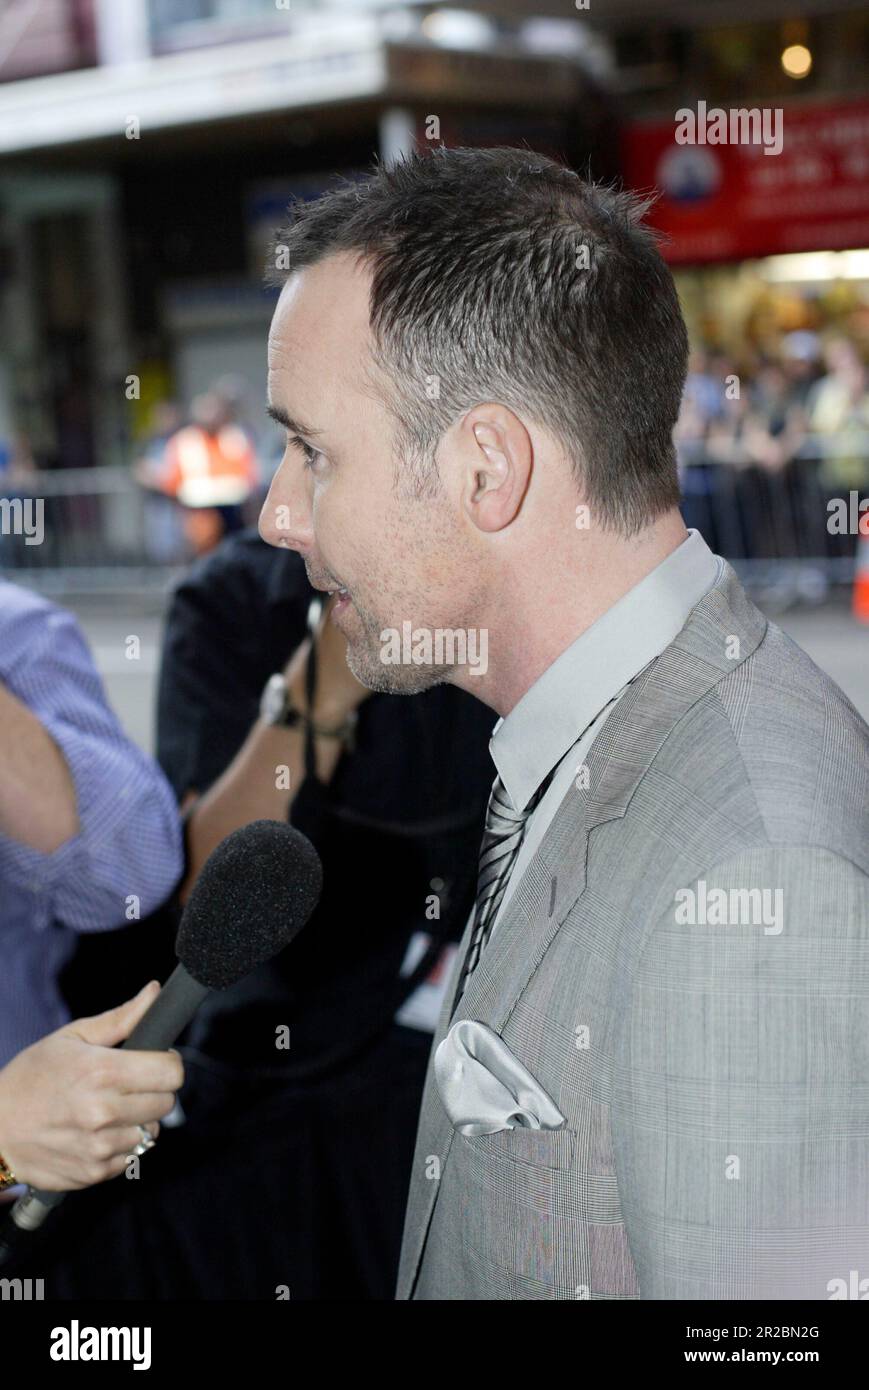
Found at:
[812, 401]
[764, 447]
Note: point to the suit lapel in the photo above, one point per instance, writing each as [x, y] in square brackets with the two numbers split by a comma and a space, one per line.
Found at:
[721, 632]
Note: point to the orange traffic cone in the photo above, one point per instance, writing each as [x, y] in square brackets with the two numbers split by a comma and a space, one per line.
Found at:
[860, 596]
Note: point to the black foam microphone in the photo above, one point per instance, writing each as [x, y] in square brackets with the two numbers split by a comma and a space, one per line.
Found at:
[256, 891]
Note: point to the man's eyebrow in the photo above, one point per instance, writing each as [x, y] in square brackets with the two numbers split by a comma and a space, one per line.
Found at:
[294, 426]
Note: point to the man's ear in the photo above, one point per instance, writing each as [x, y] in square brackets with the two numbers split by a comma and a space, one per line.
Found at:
[497, 456]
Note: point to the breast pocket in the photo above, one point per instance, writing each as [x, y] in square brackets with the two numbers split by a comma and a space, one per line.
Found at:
[521, 1212]
[536, 1148]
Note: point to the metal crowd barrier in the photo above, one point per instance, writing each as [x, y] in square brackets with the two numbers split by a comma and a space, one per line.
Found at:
[776, 526]
[87, 529]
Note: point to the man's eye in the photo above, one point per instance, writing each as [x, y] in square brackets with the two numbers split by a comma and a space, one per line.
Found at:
[310, 455]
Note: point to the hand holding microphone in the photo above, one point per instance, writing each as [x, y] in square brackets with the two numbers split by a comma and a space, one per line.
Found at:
[257, 890]
[71, 1104]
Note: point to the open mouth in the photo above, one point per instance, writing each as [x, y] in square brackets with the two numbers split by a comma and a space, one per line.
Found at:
[341, 597]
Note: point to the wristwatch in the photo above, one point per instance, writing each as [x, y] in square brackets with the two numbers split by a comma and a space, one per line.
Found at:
[7, 1177]
[277, 709]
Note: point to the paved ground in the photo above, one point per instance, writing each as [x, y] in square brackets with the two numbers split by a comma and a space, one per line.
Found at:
[830, 636]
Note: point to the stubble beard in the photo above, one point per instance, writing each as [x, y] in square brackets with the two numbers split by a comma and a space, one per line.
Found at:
[364, 657]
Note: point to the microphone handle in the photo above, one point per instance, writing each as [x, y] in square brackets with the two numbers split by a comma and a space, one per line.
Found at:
[165, 1021]
[169, 1015]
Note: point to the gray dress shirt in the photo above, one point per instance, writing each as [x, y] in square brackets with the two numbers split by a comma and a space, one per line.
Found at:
[559, 718]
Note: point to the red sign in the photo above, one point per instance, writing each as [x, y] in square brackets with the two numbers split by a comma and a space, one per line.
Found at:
[761, 181]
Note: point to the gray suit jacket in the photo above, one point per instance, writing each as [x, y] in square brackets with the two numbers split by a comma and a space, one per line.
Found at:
[714, 1078]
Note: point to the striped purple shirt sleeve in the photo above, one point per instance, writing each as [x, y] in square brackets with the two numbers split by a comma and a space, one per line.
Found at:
[129, 843]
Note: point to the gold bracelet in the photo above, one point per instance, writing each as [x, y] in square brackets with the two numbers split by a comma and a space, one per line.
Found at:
[7, 1177]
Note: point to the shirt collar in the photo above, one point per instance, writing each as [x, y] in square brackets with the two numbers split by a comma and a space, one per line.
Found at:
[588, 674]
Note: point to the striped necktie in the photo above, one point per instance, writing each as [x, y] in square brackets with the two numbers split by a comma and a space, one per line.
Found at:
[502, 840]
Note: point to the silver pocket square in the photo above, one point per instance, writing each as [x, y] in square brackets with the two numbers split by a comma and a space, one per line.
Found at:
[485, 1088]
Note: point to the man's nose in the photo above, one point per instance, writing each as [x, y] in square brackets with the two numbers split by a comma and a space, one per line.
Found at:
[285, 518]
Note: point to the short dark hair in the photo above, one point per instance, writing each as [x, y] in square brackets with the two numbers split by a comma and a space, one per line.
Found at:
[500, 274]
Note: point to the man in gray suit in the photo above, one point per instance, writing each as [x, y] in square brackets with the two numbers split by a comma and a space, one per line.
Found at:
[650, 1077]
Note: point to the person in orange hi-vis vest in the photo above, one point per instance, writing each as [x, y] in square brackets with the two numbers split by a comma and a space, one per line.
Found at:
[210, 467]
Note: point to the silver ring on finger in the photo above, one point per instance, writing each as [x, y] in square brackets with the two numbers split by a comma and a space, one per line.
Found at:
[148, 1142]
